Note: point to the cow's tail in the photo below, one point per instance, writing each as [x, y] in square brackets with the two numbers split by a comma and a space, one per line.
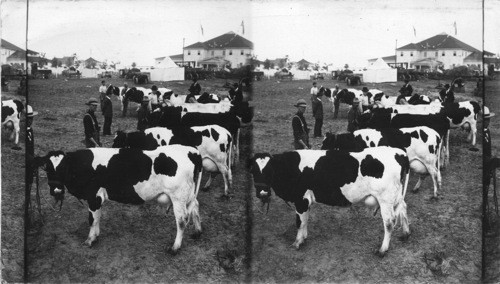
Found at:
[198, 183]
[405, 171]
[230, 154]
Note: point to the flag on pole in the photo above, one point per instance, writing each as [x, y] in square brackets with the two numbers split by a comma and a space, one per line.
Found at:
[455, 26]
[242, 27]
[201, 27]
[414, 31]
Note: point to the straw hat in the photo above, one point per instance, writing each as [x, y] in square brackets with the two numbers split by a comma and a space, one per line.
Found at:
[30, 111]
[92, 101]
[300, 103]
[487, 113]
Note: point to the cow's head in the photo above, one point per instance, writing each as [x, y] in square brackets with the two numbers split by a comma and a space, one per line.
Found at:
[120, 140]
[262, 173]
[55, 166]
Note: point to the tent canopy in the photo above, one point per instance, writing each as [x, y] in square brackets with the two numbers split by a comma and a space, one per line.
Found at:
[378, 65]
[167, 62]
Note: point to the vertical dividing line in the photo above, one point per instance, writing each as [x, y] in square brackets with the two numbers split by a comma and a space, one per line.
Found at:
[485, 220]
[26, 172]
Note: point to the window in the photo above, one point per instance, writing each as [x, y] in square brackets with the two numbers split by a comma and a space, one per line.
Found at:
[454, 53]
[199, 52]
[411, 53]
[402, 54]
[189, 52]
[425, 53]
[442, 54]
[230, 52]
[213, 52]
[436, 54]
[223, 52]
[241, 53]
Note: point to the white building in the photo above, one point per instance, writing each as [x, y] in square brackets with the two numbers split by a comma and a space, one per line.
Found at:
[227, 49]
[439, 50]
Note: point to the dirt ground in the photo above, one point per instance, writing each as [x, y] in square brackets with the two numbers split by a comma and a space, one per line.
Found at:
[131, 247]
[492, 236]
[239, 243]
[445, 244]
[12, 204]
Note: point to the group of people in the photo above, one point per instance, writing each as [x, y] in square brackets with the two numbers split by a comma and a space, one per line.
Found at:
[364, 103]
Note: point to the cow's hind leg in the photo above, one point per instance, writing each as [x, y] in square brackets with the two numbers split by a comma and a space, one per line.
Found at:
[387, 212]
[419, 182]
[400, 213]
[181, 219]
[193, 211]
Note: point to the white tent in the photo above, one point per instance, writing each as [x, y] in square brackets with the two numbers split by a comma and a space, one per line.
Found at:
[379, 72]
[167, 70]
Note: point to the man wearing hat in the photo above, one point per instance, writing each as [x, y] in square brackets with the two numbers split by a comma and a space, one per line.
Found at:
[124, 102]
[407, 89]
[90, 125]
[336, 101]
[194, 90]
[299, 126]
[154, 98]
[30, 144]
[107, 111]
[143, 114]
[446, 95]
[487, 160]
[353, 116]
[366, 99]
[317, 109]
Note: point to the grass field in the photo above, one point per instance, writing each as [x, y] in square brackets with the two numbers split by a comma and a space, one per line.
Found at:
[445, 245]
[131, 247]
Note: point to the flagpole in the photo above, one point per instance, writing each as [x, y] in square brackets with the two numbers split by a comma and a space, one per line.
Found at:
[396, 54]
[183, 51]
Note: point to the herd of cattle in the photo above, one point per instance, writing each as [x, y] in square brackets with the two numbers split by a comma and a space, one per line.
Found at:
[371, 164]
[163, 163]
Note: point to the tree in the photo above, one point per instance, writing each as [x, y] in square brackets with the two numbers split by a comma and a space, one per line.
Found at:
[267, 64]
[54, 62]
[346, 66]
[133, 64]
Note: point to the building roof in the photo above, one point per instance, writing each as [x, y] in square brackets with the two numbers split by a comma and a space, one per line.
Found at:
[90, 59]
[8, 45]
[176, 57]
[303, 61]
[160, 58]
[21, 54]
[440, 41]
[476, 56]
[196, 45]
[214, 61]
[385, 58]
[227, 40]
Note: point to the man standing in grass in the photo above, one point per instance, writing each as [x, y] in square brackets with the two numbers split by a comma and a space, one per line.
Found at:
[317, 109]
[299, 126]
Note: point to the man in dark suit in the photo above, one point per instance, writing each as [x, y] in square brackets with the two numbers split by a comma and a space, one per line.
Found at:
[317, 109]
[107, 111]
[405, 91]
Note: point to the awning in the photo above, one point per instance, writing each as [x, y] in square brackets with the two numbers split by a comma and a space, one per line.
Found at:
[431, 62]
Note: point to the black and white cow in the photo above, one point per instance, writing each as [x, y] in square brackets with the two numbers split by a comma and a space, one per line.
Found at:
[131, 176]
[11, 117]
[212, 141]
[337, 178]
[422, 145]
[460, 114]
[380, 118]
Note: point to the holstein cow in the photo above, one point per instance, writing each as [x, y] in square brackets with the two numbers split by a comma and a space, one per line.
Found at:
[131, 176]
[11, 117]
[337, 178]
[422, 145]
[345, 96]
[213, 142]
[380, 118]
[171, 117]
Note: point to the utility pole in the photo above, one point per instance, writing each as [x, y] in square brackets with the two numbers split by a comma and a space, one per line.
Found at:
[183, 39]
[396, 53]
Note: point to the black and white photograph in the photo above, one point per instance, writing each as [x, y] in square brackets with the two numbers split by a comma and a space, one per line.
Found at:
[301, 141]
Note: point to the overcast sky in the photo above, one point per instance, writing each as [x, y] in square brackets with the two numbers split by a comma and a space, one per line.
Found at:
[335, 32]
